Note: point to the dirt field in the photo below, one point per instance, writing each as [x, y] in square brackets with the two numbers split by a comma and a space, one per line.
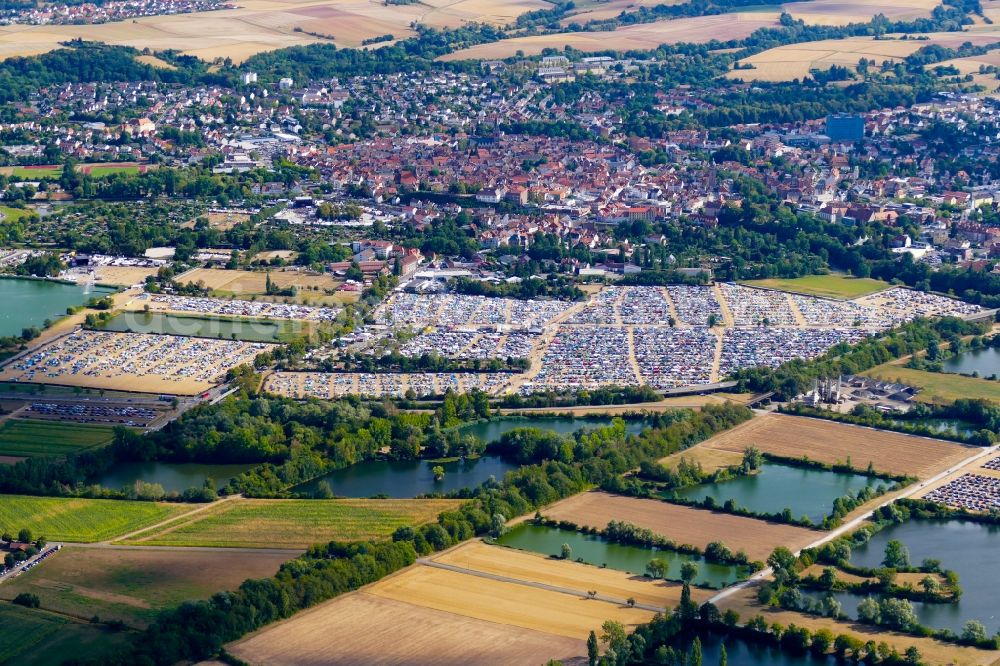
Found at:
[785, 63]
[505, 603]
[641, 36]
[364, 629]
[522, 565]
[132, 584]
[931, 651]
[825, 441]
[123, 275]
[266, 25]
[683, 524]
[240, 284]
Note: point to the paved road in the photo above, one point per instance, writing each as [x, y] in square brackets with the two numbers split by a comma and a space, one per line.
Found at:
[856, 522]
[579, 594]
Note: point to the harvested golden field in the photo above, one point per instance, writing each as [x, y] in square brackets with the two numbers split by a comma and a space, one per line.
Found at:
[794, 61]
[698, 30]
[682, 524]
[361, 628]
[829, 442]
[709, 459]
[532, 567]
[598, 10]
[745, 603]
[505, 603]
[265, 25]
[842, 12]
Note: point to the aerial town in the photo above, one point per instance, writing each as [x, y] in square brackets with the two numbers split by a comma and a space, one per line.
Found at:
[571, 333]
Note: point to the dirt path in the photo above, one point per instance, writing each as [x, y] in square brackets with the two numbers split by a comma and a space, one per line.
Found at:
[200, 509]
[580, 594]
[727, 314]
[799, 319]
[714, 376]
[671, 305]
[632, 360]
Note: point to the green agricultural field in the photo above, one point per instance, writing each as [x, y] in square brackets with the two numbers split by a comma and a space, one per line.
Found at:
[938, 387]
[294, 523]
[830, 286]
[29, 637]
[133, 584]
[81, 520]
[21, 437]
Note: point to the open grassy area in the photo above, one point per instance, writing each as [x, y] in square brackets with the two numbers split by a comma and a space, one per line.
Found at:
[30, 637]
[830, 286]
[294, 523]
[938, 387]
[81, 520]
[23, 437]
[133, 584]
[99, 171]
[13, 214]
[31, 173]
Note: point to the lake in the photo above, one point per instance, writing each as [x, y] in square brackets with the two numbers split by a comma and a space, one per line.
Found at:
[984, 361]
[174, 477]
[201, 327]
[807, 492]
[408, 478]
[30, 302]
[965, 547]
[493, 430]
[597, 550]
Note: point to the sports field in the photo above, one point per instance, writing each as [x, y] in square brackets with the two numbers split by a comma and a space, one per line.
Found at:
[22, 437]
[245, 523]
[30, 637]
[81, 520]
[937, 387]
[829, 286]
[133, 584]
[831, 443]
[54, 170]
[682, 524]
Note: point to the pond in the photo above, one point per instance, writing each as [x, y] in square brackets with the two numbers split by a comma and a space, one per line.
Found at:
[935, 616]
[201, 327]
[807, 492]
[965, 547]
[174, 477]
[408, 478]
[597, 550]
[745, 653]
[986, 362]
[30, 302]
[950, 426]
[493, 430]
